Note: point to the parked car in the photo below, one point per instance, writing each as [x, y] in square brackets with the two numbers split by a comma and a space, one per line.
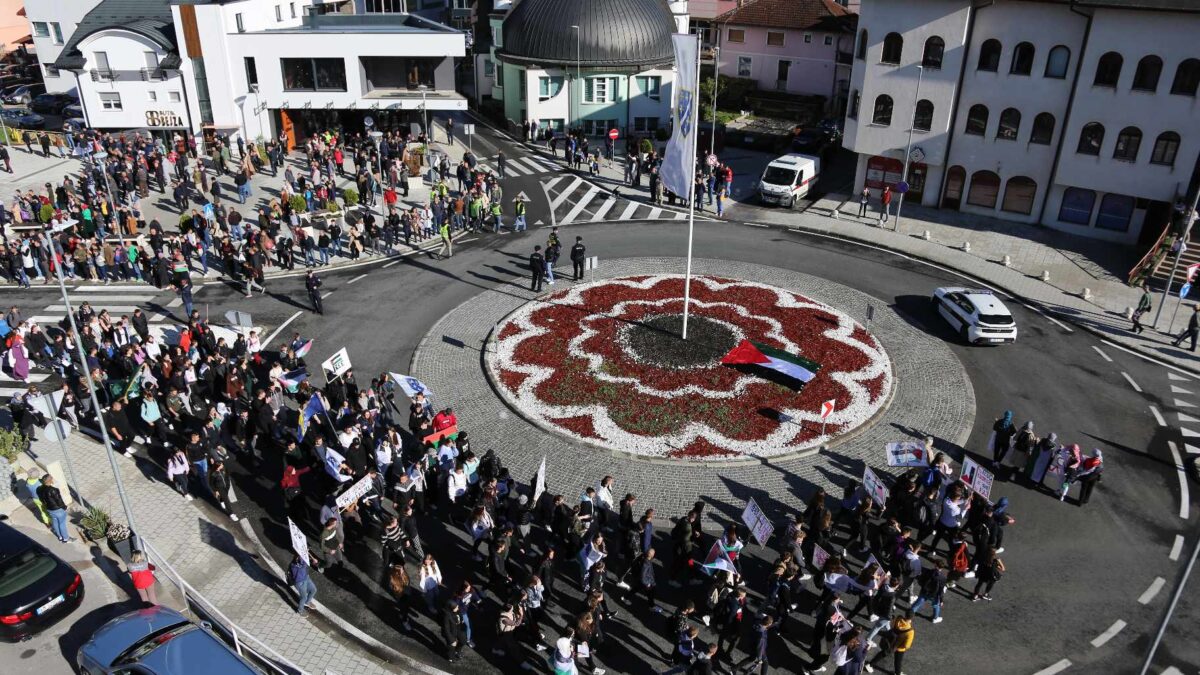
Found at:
[977, 315]
[788, 179]
[812, 141]
[52, 104]
[73, 110]
[37, 588]
[22, 94]
[23, 118]
[158, 641]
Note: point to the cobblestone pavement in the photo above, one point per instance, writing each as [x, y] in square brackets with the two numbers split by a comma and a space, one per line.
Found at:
[932, 396]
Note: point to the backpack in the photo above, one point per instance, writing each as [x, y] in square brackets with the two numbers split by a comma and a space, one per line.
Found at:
[959, 561]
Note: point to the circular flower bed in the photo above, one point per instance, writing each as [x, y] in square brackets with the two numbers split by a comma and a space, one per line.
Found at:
[604, 362]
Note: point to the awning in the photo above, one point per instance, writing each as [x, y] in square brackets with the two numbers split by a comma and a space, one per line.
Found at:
[24, 40]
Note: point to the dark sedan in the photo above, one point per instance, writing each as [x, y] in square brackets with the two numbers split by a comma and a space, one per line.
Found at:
[52, 104]
[23, 118]
[37, 588]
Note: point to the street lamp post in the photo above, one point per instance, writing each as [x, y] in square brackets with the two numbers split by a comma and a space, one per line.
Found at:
[377, 136]
[99, 157]
[1188, 218]
[578, 79]
[55, 226]
[912, 123]
[712, 141]
[425, 115]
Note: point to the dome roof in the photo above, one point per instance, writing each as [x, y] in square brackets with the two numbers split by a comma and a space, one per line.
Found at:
[619, 33]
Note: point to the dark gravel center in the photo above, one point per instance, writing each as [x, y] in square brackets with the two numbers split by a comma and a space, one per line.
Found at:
[657, 341]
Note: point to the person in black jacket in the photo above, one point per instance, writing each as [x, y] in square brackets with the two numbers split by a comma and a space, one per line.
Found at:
[452, 629]
[578, 256]
[757, 643]
[1192, 330]
[52, 501]
[732, 612]
[221, 487]
[312, 283]
[120, 431]
[537, 269]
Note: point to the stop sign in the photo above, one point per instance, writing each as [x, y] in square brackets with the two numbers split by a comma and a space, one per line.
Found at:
[612, 133]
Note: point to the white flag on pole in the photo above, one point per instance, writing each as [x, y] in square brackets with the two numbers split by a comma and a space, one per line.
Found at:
[677, 166]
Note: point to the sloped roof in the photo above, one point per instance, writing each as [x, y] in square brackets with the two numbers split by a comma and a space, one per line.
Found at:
[794, 14]
[149, 18]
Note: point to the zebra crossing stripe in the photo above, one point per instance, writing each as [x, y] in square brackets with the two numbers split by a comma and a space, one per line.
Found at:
[528, 165]
[93, 299]
[680, 215]
[629, 210]
[33, 377]
[581, 205]
[511, 166]
[604, 209]
[566, 193]
[654, 214]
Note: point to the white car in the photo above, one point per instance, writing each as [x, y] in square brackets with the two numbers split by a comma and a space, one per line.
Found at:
[978, 316]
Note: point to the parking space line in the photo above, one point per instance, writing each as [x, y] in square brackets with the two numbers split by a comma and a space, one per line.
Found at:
[1055, 668]
[1109, 634]
[361, 276]
[1131, 382]
[1158, 416]
[1101, 353]
[1155, 587]
[1176, 548]
[1185, 501]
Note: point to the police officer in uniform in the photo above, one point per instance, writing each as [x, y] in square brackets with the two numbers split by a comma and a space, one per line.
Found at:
[537, 269]
[578, 255]
[313, 283]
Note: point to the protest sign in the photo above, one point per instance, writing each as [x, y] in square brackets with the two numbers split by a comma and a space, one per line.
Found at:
[539, 483]
[299, 541]
[906, 453]
[819, 557]
[760, 526]
[976, 477]
[337, 365]
[362, 487]
[874, 487]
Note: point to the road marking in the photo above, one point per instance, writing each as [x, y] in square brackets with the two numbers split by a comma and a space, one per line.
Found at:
[1155, 587]
[1101, 353]
[93, 299]
[511, 167]
[566, 193]
[112, 289]
[580, 205]
[1056, 668]
[1176, 378]
[1045, 316]
[1179, 390]
[1109, 634]
[394, 262]
[629, 210]
[1158, 417]
[1176, 548]
[760, 225]
[1187, 419]
[1179, 403]
[1191, 449]
[1189, 433]
[281, 327]
[175, 303]
[355, 279]
[680, 215]
[547, 184]
[326, 294]
[1131, 382]
[604, 209]
[112, 309]
[463, 241]
[1151, 359]
[654, 214]
[1172, 671]
[1181, 471]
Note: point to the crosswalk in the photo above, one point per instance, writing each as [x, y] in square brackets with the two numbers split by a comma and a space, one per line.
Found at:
[1189, 425]
[529, 165]
[575, 199]
[118, 300]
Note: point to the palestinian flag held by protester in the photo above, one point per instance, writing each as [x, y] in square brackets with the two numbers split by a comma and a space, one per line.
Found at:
[775, 364]
[302, 347]
[291, 381]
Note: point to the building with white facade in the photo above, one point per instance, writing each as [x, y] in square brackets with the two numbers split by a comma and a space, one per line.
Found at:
[252, 68]
[1082, 116]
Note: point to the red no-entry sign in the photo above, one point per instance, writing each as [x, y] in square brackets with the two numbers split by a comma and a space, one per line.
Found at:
[613, 133]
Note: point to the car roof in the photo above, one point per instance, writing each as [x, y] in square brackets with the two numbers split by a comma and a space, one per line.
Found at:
[13, 542]
[196, 652]
[122, 632]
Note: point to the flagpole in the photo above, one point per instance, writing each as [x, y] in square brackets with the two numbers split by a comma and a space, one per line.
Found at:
[687, 279]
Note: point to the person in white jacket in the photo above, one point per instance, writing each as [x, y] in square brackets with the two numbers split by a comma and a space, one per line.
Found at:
[431, 582]
[604, 500]
[177, 472]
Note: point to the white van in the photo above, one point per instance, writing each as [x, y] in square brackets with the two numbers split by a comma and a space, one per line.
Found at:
[788, 178]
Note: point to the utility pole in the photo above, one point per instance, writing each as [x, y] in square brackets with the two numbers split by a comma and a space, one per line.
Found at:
[1188, 218]
[912, 122]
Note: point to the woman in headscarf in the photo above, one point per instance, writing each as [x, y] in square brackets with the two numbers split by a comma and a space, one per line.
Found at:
[1087, 475]
[1002, 436]
[1023, 444]
[1039, 459]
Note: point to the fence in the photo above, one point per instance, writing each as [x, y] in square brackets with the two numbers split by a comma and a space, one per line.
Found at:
[15, 136]
[201, 609]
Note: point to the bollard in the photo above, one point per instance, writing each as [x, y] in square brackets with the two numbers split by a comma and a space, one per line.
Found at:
[1046, 276]
[926, 236]
[1008, 261]
[1087, 293]
[1129, 314]
[837, 214]
[967, 246]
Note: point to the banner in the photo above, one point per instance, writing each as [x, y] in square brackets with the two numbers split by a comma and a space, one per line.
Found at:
[680, 160]
[362, 487]
[976, 477]
[906, 453]
[299, 541]
[411, 385]
[539, 482]
[437, 436]
[757, 521]
[315, 406]
[820, 556]
[336, 365]
[874, 487]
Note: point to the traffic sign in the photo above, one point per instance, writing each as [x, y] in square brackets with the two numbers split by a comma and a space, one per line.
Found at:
[1183, 291]
[368, 121]
[827, 408]
[712, 160]
[613, 133]
[901, 187]
[469, 129]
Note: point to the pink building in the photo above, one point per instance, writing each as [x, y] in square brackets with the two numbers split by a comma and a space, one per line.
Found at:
[793, 46]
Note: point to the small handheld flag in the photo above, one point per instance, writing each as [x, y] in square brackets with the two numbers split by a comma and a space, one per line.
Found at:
[302, 347]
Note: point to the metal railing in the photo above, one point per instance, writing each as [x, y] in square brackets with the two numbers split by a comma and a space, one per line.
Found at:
[1149, 262]
[103, 75]
[153, 74]
[195, 604]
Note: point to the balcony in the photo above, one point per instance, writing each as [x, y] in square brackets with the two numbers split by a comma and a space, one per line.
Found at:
[844, 58]
[104, 75]
[153, 74]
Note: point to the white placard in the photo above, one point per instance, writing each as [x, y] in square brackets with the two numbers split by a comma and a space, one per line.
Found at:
[362, 487]
[820, 556]
[468, 129]
[592, 262]
[760, 526]
[976, 477]
[337, 365]
[874, 487]
[906, 453]
[299, 541]
[239, 319]
[539, 483]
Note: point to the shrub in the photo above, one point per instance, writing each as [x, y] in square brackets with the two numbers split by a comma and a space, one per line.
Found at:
[185, 222]
[350, 196]
[647, 146]
[331, 206]
[298, 204]
[12, 443]
[95, 523]
[46, 214]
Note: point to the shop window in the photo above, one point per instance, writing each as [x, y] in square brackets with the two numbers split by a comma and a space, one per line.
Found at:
[1115, 212]
[1019, 194]
[1077, 205]
[984, 190]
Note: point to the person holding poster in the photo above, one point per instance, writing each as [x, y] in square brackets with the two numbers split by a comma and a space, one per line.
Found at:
[1065, 459]
[954, 514]
[1039, 459]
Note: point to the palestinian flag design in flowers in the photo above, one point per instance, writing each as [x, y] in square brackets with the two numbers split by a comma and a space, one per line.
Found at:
[571, 361]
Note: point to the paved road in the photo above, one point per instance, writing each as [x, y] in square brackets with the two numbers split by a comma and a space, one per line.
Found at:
[1059, 554]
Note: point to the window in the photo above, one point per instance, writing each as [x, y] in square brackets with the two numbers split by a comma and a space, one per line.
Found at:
[521, 91]
[251, 71]
[644, 124]
[650, 85]
[555, 125]
[313, 74]
[241, 25]
[386, 7]
[977, 119]
[1090, 139]
[41, 29]
[102, 71]
[1077, 206]
[152, 95]
[1115, 212]
[1022, 60]
[955, 178]
[1108, 70]
[598, 90]
[828, 40]
[278, 13]
[1019, 194]
[935, 49]
[500, 75]
[1010, 125]
[774, 38]
[110, 100]
[151, 72]
[893, 48]
[923, 117]
[989, 55]
[1145, 78]
[1187, 78]
[56, 32]
[736, 35]
[985, 188]
[1057, 62]
[745, 66]
[855, 100]
[173, 96]
[1043, 129]
[1128, 142]
[808, 38]
[292, 5]
[883, 110]
[548, 87]
[598, 127]
[1166, 146]
[862, 44]
[489, 68]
